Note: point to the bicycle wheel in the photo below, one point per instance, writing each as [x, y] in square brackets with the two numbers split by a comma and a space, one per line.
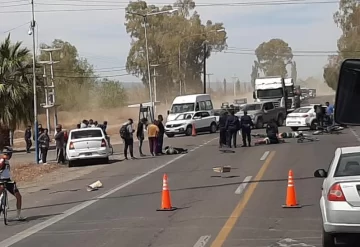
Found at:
[4, 207]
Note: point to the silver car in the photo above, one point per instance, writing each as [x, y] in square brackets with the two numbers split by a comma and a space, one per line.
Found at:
[340, 198]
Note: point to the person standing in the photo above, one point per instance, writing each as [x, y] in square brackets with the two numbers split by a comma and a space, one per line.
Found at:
[27, 137]
[232, 126]
[140, 134]
[330, 112]
[319, 115]
[60, 142]
[153, 131]
[44, 142]
[245, 124]
[160, 137]
[126, 133]
[222, 128]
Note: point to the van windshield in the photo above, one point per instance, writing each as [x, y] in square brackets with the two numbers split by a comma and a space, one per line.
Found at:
[181, 108]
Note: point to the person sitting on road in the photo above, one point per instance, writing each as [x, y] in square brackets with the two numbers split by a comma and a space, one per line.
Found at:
[272, 132]
[171, 150]
[10, 186]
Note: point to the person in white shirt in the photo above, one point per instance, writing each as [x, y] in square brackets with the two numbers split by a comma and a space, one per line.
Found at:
[8, 184]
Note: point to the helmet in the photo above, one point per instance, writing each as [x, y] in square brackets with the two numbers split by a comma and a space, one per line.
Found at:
[8, 151]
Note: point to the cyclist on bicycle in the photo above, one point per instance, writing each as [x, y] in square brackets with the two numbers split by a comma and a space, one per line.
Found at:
[5, 176]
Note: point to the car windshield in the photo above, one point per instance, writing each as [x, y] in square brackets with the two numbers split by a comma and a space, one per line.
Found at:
[349, 165]
[251, 107]
[80, 134]
[181, 108]
[302, 110]
[184, 116]
[270, 93]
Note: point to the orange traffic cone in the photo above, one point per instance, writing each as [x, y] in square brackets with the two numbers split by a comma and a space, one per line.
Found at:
[166, 200]
[193, 132]
[291, 201]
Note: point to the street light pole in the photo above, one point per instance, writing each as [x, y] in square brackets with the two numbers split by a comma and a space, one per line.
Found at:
[36, 130]
[204, 66]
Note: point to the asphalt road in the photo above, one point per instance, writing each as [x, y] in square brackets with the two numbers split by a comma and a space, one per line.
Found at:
[213, 209]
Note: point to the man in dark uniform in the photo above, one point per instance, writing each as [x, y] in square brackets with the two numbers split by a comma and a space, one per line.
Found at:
[222, 125]
[272, 132]
[232, 126]
[245, 124]
[319, 115]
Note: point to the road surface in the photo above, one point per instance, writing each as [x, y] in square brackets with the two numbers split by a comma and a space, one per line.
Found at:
[213, 210]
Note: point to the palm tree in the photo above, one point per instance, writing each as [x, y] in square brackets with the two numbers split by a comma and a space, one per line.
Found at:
[16, 104]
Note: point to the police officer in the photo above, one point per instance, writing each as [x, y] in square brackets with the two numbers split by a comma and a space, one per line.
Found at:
[222, 125]
[245, 124]
[232, 126]
[272, 132]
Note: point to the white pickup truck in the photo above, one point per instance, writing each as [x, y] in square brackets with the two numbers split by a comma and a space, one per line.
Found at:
[183, 123]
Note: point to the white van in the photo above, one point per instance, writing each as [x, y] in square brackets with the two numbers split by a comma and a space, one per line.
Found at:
[190, 103]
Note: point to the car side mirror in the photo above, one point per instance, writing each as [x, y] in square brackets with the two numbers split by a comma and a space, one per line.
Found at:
[320, 173]
[168, 112]
[254, 95]
[348, 93]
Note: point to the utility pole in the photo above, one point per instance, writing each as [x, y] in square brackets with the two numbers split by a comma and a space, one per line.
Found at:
[50, 89]
[208, 75]
[234, 81]
[204, 64]
[155, 86]
[36, 130]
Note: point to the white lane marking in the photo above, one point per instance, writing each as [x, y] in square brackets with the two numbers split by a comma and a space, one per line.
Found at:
[40, 226]
[202, 241]
[265, 155]
[355, 134]
[243, 185]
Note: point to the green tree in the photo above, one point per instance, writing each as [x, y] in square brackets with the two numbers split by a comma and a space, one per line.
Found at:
[224, 86]
[74, 76]
[16, 88]
[293, 71]
[167, 35]
[110, 94]
[273, 57]
[254, 73]
[346, 18]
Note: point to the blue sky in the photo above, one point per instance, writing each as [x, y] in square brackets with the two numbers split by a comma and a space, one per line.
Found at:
[100, 36]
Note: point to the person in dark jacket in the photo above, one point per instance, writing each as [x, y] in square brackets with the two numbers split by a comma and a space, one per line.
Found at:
[60, 143]
[44, 143]
[272, 132]
[27, 137]
[232, 126]
[245, 124]
[319, 115]
[222, 128]
[140, 134]
[160, 138]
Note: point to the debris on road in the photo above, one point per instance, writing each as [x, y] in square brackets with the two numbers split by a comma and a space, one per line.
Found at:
[222, 169]
[28, 172]
[94, 186]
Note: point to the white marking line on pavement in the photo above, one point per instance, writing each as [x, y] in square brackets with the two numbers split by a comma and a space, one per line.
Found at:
[202, 241]
[265, 155]
[243, 185]
[40, 226]
[355, 134]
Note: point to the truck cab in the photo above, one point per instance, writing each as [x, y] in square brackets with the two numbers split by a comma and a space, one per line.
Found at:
[274, 89]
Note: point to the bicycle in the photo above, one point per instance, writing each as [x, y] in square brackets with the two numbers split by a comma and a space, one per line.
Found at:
[329, 130]
[4, 201]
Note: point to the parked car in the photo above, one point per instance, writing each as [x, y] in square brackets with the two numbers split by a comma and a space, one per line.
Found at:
[87, 144]
[303, 117]
[262, 112]
[184, 122]
[340, 198]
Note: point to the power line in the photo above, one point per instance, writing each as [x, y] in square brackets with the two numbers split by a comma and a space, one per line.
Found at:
[295, 55]
[8, 31]
[238, 4]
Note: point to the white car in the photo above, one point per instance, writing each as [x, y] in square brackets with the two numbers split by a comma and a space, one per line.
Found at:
[183, 123]
[86, 144]
[340, 198]
[302, 117]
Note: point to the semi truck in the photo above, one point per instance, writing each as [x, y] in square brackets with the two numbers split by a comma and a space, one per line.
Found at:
[276, 89]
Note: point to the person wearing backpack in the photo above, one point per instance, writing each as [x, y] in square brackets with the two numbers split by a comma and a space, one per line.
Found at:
[126, 133]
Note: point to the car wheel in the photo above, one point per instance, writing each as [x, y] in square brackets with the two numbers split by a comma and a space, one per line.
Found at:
[106, 160]
[294, 128]
[213, 128]
[188, 131]
[313, 125]
[259, 123]
[170, 135]
[280, 120]
[327, 239]
[71, 163]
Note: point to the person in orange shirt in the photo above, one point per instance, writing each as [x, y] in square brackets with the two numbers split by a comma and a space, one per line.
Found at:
[153, 131]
